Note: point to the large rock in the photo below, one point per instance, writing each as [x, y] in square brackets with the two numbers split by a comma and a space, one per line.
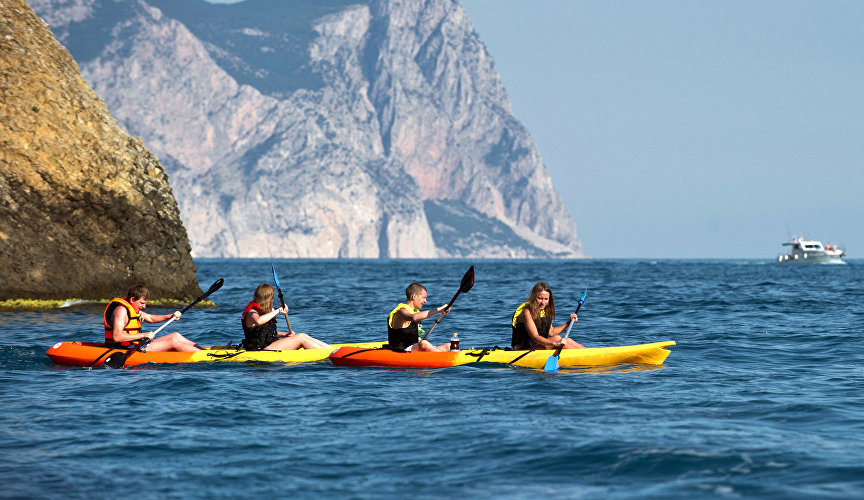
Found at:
[85, 210]
[323, 129]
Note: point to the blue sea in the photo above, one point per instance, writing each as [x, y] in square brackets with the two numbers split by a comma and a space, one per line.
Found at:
[763, 395]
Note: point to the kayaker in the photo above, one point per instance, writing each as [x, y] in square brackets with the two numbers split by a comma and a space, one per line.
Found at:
[259, 326]
[532, 323]
[403, 324]
[122, 320]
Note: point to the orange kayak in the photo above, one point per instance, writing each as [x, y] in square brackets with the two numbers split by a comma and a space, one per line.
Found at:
[360, 356]
[641, 354]
[95, 354]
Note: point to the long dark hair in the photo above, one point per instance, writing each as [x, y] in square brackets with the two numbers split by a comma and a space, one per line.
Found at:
[535, 309]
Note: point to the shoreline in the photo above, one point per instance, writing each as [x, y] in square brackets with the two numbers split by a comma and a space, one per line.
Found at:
[53, 304]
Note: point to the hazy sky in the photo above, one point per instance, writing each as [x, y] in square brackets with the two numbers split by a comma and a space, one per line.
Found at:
[691, 129]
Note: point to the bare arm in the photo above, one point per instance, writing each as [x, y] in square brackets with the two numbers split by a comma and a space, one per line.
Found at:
[556, 330]
[119, 322]
[158, 318]
[254, 320]
[420, 316]
[531, 328]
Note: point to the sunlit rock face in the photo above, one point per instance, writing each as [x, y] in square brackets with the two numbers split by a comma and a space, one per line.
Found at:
[375, 128]
[85, 210]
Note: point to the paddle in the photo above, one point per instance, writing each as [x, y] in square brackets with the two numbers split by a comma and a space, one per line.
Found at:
[464, 287]
[281, 297]
[118, 360]
[552, 363]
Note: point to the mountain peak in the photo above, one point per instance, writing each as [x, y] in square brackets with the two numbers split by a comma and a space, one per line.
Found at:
[324, 129]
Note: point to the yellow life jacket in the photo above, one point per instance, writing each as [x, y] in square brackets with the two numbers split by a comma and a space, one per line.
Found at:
[519, 338]
[401, 337]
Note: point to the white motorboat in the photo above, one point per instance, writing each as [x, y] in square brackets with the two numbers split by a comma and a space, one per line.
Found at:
[811, 252]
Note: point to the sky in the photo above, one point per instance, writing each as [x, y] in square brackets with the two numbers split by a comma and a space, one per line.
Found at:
[691, 129]
[681, 129]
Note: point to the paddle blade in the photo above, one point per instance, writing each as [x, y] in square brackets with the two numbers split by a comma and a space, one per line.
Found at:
[467, 281]
[116, 360]
[275, 278]
[215, 286]
[551, 364]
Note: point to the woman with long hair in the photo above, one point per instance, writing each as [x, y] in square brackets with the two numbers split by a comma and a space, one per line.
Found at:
[532, 323]
[259, 326]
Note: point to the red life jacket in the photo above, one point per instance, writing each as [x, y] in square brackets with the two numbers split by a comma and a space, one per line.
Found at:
[256, 339]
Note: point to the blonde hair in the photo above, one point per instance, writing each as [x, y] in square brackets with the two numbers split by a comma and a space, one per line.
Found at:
[264, 297]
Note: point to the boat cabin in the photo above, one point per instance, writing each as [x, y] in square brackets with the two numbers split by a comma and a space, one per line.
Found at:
[806, 245]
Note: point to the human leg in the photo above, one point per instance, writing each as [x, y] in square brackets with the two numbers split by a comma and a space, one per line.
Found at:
[172, 342]
[572, 344]
[297, 341]
[425, 345]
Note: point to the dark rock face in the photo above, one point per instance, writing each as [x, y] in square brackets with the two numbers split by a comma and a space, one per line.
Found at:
[85, 210]
[333, 128]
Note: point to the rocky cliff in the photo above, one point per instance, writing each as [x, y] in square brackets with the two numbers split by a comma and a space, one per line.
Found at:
[373, 128]
[85, 210]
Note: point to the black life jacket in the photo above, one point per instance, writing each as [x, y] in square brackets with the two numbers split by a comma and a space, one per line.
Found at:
[400, 339]
[256, 339]
[520, 340]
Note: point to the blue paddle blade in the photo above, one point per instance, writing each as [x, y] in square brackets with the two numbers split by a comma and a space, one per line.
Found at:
[551, 364]
[274, 275]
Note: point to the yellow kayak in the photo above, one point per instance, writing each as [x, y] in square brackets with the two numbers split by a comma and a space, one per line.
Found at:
[641, 354]
[95, 354]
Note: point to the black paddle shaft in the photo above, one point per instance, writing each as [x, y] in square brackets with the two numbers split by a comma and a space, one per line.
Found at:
[464, 287]
[119, 360]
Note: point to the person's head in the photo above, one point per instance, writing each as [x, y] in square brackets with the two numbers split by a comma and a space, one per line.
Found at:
[264, 297]
[541, 299]
[138, 296]
[416, 293]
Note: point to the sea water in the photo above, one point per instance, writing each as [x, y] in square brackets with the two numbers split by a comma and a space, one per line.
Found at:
[761, 397]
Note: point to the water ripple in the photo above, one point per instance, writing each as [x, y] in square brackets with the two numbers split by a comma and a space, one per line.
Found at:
[761, 396]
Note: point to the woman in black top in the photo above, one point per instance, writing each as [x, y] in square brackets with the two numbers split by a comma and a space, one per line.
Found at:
[259, 326]
[532, 323]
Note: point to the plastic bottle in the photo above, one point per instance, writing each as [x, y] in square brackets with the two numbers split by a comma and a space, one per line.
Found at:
[454, 343]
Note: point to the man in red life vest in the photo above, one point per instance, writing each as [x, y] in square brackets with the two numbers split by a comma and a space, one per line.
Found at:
[122, 321]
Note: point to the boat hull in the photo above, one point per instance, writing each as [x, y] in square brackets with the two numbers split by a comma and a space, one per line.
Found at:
[810, 259]
[642, 354]
[95, 354]
[356, 356]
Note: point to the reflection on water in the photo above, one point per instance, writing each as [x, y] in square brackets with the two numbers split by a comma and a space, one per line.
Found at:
[608, 369]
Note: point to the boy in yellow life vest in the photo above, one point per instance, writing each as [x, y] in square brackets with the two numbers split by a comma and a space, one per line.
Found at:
[403, 324]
